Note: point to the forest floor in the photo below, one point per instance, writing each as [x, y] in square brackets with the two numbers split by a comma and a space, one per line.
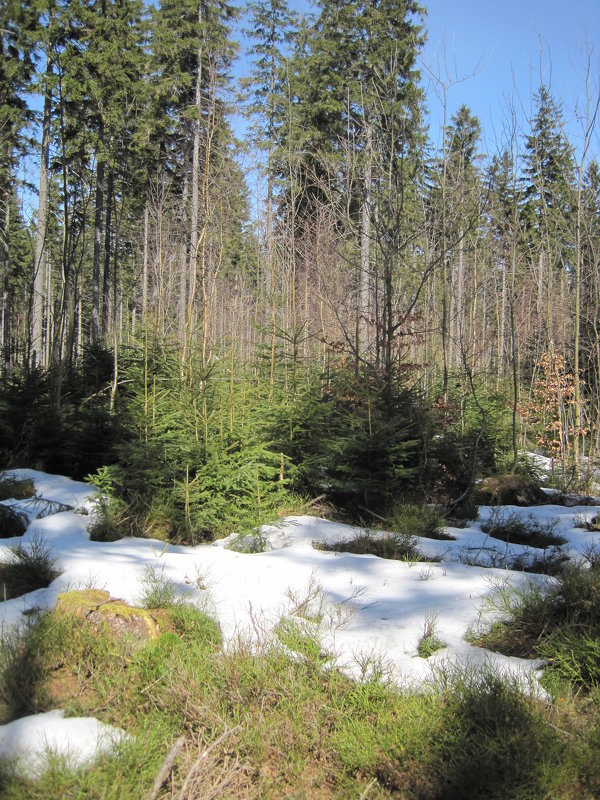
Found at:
[330, 671]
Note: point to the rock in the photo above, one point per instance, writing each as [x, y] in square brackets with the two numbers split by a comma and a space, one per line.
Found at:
[12, 523]
[13, 489]
[101, 610]
[509, 490]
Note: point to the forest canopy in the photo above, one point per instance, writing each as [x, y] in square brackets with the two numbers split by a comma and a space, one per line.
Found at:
[391, 319]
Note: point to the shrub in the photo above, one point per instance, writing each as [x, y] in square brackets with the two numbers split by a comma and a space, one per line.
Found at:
[351, 443]
[410, 519]
[30, 566]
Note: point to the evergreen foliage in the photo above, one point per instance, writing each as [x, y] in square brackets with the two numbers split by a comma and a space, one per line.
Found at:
[194, 460]
[72, 438]
[347, 443]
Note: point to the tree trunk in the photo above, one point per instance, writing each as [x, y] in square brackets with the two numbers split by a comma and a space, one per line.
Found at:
[99, 212]
[39, 277]
[107, 249]
[365, 244]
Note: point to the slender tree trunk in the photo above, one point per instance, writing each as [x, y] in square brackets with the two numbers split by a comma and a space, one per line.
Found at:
[107, 250]
[145, 265]
[4, 266]
[98, 216]
[365, 243]
[39, 278]
[183, 266]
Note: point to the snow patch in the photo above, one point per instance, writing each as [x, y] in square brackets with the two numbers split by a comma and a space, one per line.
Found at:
[31, 743]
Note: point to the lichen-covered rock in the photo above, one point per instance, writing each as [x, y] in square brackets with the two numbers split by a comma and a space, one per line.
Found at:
[100, 610]
[509, 490]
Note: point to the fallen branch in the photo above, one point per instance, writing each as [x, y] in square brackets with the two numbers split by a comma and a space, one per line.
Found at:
[372, 513]
[167, 767]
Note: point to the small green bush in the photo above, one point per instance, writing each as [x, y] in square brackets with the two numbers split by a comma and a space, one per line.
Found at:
[410, 519]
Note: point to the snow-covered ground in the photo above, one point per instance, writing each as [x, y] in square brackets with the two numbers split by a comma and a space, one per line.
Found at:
[371, 612]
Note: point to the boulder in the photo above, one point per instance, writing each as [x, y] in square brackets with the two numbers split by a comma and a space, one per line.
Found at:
[509, 490]
[102, 611]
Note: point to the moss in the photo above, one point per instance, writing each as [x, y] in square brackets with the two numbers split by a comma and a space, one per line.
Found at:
[13, 489]
[97, 607]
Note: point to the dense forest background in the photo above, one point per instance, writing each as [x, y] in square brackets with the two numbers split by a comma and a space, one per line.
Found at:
[394, 320]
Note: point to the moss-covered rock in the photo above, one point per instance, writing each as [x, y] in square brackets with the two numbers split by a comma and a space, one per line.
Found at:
[100, 610]
[11, 488]
[509, 490]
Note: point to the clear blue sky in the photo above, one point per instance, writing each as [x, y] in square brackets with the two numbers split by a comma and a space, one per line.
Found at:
[508, 47]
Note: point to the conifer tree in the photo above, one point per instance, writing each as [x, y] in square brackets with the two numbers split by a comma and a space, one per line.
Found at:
[548, 203]
[17, 41]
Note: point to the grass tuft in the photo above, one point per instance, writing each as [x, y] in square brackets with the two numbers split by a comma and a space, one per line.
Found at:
[158, 591]
[398, 547]
[411, 519]
[29, 567]
[513, 528]
[429, 642]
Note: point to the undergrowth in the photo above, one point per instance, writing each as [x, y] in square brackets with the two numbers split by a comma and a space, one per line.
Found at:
[254, 723]
[412, 519]
[398, 547]
[513, 528]
[28, 567]
[557, 621]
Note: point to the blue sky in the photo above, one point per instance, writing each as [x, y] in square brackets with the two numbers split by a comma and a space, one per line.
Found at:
[509, 47]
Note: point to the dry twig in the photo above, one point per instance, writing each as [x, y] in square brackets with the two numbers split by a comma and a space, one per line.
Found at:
[167, 766]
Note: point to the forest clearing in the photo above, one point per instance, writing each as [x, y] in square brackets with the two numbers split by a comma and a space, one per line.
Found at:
[299, 402]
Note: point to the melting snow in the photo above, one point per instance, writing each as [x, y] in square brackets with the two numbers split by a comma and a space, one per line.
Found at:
[371, 611]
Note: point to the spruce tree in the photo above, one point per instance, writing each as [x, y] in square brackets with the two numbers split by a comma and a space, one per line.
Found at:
[18, 23]
[548, 203]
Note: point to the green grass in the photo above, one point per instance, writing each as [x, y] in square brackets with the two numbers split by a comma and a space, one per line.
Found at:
[558, 622]
[258, 723]
[429, 642]
[412, 519]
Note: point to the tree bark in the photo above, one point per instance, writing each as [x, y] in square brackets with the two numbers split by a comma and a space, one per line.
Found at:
[39, 277]
[98, 215]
